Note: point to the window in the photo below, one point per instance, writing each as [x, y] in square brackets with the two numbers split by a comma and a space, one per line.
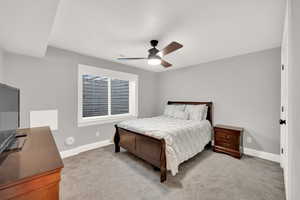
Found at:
[94, 96]
[105, 96]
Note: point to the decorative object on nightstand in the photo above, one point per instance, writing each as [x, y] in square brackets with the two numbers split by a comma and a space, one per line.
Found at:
[229, 140]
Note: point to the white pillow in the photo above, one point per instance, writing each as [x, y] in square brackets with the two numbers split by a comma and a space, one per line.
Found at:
[204, 116]
[196, 112]
[169, 109]
[180, 107]
[178, 114]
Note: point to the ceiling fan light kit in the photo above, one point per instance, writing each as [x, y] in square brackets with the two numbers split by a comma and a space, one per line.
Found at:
[154, 60]
[155, 55]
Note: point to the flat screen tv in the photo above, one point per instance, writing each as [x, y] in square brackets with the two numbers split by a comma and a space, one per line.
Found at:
[9, 115]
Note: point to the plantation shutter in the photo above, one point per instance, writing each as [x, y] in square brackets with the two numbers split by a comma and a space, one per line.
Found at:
[119, 96]
[95, 96]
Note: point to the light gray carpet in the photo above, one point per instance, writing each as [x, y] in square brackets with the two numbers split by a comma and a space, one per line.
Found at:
[102, 174]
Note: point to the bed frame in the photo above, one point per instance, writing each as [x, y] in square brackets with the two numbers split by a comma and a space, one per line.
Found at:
[148, 148]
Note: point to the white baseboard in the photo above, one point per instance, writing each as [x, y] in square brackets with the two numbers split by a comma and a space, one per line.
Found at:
[262, 154]
[83, 148]
[87, 147]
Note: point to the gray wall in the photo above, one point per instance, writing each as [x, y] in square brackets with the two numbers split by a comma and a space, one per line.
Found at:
[1, 65]
[245, 91]
[294, 100]
[51, 83]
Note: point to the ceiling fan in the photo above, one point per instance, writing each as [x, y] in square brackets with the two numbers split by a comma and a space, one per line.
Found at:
[155, 55]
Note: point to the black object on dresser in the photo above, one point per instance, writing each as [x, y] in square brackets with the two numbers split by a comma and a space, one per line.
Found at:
[229, 140]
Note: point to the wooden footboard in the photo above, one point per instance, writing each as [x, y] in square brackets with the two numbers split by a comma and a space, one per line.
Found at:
[147, 148]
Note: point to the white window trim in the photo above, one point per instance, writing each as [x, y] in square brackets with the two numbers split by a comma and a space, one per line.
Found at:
[133, 96]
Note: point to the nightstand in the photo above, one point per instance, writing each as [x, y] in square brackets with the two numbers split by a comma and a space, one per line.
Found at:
[229, 140]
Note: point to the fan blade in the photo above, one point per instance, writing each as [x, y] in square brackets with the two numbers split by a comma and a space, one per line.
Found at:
[173, 46]
[131, 58]
[165, 64]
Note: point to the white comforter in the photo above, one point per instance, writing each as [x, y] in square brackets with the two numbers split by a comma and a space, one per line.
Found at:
[184, 138]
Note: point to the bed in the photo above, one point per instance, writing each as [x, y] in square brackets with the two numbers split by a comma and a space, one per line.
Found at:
[165, 142]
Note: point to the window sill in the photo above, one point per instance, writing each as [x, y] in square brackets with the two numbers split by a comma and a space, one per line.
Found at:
[91, 122]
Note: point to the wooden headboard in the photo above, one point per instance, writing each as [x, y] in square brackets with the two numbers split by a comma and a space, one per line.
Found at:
[209, 105]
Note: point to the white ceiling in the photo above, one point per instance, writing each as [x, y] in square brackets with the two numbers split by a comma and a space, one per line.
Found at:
[25, 25]
[208, 29]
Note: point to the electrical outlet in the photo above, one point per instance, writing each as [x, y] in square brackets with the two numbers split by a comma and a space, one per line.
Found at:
[97, 133]
[249, 139]
[70, 140]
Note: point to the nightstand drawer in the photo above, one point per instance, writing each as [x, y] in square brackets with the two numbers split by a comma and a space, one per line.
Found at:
[230, 145]
[226, 136]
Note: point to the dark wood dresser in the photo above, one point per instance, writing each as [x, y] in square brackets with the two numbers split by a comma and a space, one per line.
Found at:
[34, 171]
[229, 140]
